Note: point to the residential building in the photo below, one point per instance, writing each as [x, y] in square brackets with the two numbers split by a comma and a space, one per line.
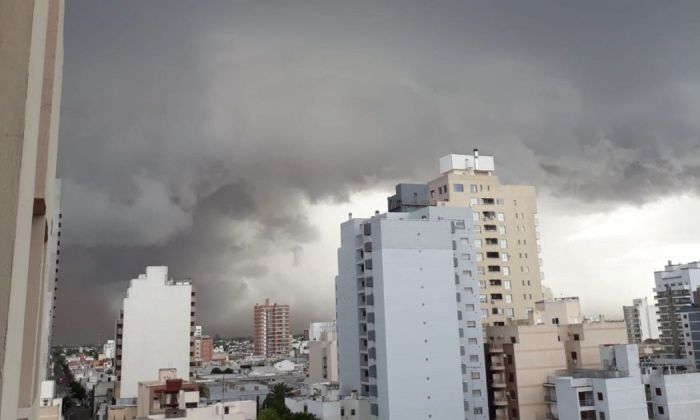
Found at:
[564, 310]
[326, 403]
[155, 330]
[323, 358]
[408, 314]
[203, 348]
[197, 330]
[408, 197]
[31, 65]
[271, 330]
[50, 405]
[109, 349]
[640, 318]
[671, 394]
[674, 291]
[506, 240]
[317, 328]
[612, 391]
[166, 395]
[521, 357]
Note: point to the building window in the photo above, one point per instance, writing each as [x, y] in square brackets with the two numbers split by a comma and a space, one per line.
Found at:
[660, 409]
[658, 391]
[600, 396]
[473, 358]
[478, 410]
[459, 187]
[500, 217]
[601, 415]
[471, 324]
[473, 188]
[476, 375]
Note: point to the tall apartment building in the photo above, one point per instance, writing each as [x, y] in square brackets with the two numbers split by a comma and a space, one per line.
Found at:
[521, 357]
[408, 315]
[155, 330]
[31, 63]
[317, 328]
[674, 291]
[640, 318]
[323, 353]
[271, 330]
[506, 244]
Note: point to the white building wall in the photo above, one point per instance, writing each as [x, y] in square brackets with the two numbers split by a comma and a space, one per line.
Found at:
[420, 371]
[156, 332]
[318, 328]
[679, 396]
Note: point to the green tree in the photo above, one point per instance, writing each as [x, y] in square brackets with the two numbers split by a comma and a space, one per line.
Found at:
[300, 416]
[228, 370]
[269, 414]
[204, 391]
[216, 371]
[275, 399]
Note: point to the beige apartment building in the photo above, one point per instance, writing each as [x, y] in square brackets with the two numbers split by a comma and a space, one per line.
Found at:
[506, 240]
[521, 357]
[31, 61]
[271, 330]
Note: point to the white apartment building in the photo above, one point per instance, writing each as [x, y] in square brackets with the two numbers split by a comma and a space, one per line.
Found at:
[506, 241]
[155, 330]
[674, 291]
[612, 392]
[109, 349]
[408, 315]
[318, 328]
[323, 355]
[640, 318]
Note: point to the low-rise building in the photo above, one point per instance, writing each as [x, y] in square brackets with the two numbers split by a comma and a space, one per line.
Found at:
[168, 395]
[326, 404]
[323, 358]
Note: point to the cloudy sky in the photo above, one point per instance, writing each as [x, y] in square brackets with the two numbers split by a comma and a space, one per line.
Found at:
[228, 140]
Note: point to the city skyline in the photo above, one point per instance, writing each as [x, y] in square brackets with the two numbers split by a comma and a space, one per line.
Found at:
[232, 154]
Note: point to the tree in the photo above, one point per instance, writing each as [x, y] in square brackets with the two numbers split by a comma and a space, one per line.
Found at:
[300, 416]
[216, 371]
[228, 370]
[275, 399]
[204, 391]
[269, 414]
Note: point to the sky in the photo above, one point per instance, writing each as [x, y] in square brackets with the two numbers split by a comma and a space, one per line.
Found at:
[229, 139]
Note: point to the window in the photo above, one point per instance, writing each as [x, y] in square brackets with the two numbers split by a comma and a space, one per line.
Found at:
[472, 341]
[509, 298]
[577, 338]
[482, 298]
[660, 409]
[476, 392]
[504, 243]
[600, 396]
[461, 332]
[501, 217]
[476, 375]
[505, 271]
[469, 307]
[473, 358]
[432, 193]
[601, 415]
[478, 410]
[504, 256]
[458, 187]
[342, 411]
[502, 230]
[506, 284]
[510, 312]
[473, 201]
[459, 297]
[473, 188]
[459, 315]
[479, 256]
[440, 192]
[352, 411]
[658, 391]
[471, 324]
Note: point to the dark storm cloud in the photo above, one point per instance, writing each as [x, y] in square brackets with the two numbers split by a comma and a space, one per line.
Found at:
[193, 134]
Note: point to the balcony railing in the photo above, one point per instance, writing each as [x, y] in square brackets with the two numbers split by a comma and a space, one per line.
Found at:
[586, 402]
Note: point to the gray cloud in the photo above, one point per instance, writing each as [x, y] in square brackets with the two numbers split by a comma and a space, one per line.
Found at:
[193, 134]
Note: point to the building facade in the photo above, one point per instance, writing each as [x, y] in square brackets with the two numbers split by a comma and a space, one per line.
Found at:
[31, 64]
[408, 315]
[674, 292]
[521, 357]
[640, 318]
[323, 358]
[506, 240]
[271, 330]
[155, 330]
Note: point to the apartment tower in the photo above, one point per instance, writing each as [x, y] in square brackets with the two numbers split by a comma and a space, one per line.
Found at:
[31, 63]
[640, 318]
[271, 330]
[675, 287]
[155, 330]
[408, 318]
[506, 241]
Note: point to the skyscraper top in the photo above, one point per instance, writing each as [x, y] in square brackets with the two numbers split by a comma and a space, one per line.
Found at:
[475, 162]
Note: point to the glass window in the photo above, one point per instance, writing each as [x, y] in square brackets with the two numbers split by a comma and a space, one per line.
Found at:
[504, 243]
[473, 188]
[510, 312]
[505, 271]
[502, 230]
[459, 187]
[506, 284]
[477, 242]
[509, 298]
[475, 216]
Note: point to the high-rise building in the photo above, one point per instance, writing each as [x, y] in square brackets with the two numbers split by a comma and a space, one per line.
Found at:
[155, 330]
[506, 240]
[318, 328]
[109, 349]
[271, 330]
[203, 349]
[408, 316]
[31, 63]
[674, 291]
[640, 318]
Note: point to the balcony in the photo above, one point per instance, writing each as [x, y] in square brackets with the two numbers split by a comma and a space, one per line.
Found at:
[586, 403]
